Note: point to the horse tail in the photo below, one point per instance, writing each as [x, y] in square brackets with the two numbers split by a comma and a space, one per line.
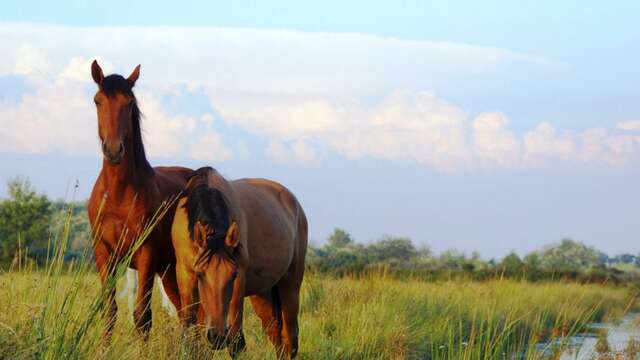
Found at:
[277, 308]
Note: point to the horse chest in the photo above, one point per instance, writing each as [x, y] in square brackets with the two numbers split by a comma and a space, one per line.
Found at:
[120, 231]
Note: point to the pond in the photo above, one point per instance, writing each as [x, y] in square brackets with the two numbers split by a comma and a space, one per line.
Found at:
[622, 342]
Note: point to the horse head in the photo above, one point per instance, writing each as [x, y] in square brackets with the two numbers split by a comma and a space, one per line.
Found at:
[215, 244]
[118, 113]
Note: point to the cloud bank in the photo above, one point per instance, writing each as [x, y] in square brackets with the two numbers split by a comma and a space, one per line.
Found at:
[306, 94]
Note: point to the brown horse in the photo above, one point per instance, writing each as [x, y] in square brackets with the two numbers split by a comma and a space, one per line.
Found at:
[127, 193]
[234, 239]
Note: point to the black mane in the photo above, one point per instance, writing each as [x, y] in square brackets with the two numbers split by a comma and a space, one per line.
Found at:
[111, 86]
[207, 205]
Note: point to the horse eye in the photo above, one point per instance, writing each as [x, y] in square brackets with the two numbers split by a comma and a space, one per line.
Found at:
[96, 101]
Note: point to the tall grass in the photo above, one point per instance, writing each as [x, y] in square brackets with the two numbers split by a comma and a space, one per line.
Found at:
[55, 313]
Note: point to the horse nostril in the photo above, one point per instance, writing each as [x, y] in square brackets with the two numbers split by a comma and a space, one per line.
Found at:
[112, 153]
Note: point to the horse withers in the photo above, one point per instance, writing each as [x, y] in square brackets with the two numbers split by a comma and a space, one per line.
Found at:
[127, 195]
[237, 239]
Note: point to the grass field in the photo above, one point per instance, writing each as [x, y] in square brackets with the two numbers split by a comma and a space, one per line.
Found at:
[55, 315]
[54, 312]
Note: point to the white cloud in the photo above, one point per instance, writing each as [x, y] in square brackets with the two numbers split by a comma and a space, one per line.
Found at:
[603, 146]
[493, 142]
[164, 135]
[308, 94]
[60, 117]
[420, 128]
[233, 62]
[56, 117]
[544, 142]
[210, 147]
[297, 152]
[77, 69]
[29, 61]
[408, 127]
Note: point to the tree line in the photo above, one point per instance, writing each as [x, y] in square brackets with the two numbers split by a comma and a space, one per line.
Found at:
[566, 259]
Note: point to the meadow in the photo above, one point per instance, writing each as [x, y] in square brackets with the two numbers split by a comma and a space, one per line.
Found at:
[53, 310]
[54, 313]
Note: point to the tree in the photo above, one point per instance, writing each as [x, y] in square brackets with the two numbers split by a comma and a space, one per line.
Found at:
[570, 255]
[389, 249]
[24, 220]
[532, 260]
[339, 239]
[80, 242]
[625, 258]
[511, 263]
[452, 259]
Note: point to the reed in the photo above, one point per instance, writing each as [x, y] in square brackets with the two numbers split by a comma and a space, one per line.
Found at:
[55, 312]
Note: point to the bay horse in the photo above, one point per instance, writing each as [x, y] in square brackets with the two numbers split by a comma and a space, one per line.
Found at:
[236, 239]
[127, 193]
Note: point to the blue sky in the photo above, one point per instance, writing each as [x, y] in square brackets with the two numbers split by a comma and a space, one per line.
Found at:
[492, 126]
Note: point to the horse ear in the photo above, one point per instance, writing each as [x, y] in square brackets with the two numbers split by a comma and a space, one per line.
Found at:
[96, 72]
[232, 239]
[134, 76]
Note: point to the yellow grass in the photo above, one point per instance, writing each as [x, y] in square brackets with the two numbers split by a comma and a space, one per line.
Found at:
[376, 317]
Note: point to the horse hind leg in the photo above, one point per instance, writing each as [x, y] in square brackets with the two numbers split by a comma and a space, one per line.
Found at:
[289, 293]
[170, 289]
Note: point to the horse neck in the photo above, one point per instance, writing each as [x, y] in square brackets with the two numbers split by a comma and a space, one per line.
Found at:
[126, 176]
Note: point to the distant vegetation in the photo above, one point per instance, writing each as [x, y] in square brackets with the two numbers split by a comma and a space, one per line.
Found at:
[567, 259]
[30, 224]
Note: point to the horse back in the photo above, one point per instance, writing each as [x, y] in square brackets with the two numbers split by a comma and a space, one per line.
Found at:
[171, 180]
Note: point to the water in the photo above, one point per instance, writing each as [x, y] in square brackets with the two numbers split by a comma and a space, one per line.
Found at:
[589, 345]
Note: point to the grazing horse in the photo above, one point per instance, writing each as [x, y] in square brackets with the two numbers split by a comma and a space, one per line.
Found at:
[127, 193]
[234, 239]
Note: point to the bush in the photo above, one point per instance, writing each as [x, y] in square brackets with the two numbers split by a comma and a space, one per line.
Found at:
[25, 218]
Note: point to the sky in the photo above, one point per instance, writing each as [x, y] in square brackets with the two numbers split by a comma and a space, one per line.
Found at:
[492, 126]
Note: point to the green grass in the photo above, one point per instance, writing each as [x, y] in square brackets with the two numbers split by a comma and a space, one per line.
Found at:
[54, 313]
[53, 316]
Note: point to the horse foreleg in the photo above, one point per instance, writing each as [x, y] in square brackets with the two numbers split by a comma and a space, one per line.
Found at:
[267, 310]
[237, 343]
[105, 264]
[146, 274]
[187, 288]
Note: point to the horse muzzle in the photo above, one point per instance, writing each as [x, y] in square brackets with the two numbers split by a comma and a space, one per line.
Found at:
[113, 152]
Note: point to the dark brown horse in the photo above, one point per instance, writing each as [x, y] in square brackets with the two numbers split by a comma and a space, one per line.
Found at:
[234, 239]
[127, 193]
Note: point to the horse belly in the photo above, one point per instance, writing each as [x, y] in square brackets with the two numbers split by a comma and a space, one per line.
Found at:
[269, 261]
